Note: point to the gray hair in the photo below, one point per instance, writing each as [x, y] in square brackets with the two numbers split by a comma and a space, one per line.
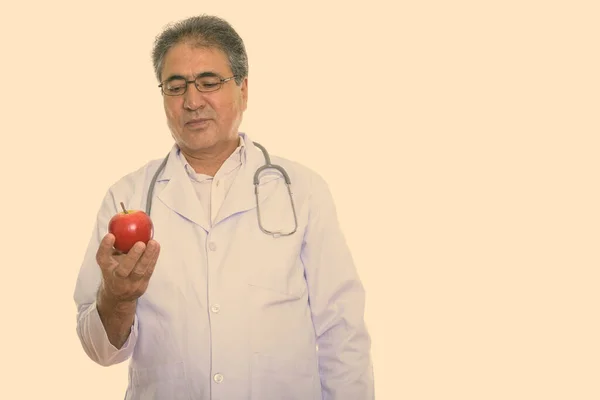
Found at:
[206, 31]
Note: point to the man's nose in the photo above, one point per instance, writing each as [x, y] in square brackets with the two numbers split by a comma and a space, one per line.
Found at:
[193, 98]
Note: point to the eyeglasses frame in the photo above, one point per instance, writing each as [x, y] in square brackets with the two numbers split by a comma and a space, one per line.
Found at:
[222, 81]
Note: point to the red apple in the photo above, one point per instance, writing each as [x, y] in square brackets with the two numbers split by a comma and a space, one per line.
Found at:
[130, 227]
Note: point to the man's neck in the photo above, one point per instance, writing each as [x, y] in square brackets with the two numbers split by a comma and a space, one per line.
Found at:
[208, 162]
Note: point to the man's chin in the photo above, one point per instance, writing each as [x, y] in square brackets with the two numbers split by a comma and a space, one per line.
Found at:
[196, 142]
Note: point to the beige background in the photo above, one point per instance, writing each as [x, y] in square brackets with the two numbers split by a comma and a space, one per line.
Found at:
[460, 140]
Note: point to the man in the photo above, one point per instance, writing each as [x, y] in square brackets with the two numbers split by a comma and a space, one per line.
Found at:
[215, 307]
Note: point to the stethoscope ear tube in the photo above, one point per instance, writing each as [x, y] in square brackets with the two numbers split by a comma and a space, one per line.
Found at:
[152, 183]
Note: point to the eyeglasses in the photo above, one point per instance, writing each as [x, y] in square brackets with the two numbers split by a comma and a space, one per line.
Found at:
[178, 86]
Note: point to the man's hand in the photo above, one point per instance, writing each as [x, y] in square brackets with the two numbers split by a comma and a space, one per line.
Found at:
[125, 277]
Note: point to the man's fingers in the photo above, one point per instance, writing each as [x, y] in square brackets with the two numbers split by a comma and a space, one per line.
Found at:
[154, 259]
[129, 260]
[105, 251]
[146, 261]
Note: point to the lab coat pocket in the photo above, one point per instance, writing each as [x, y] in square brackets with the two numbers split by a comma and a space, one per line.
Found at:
[275, 378]
[165, 381]
[273, 262]
[279, 278]
[275, 266]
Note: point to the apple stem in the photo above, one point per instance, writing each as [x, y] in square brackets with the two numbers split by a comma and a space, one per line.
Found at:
[123, 207]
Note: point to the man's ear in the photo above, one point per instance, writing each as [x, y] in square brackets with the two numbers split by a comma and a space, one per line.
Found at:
[244, 90]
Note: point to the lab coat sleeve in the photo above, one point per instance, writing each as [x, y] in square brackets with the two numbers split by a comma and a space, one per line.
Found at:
[90, 330]
[337, 301]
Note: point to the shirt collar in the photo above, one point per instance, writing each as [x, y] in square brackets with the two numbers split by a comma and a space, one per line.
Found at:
[237, 158]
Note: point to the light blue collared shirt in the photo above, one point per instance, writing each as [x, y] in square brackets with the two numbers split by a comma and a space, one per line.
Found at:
[211, 190]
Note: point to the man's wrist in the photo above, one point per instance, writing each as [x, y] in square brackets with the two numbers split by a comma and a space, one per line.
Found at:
[108, 303]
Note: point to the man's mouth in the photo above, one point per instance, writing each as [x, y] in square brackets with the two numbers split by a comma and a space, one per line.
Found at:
[197, 122]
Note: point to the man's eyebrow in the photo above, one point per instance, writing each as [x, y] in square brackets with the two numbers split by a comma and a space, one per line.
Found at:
[171, 77]
[207, 73]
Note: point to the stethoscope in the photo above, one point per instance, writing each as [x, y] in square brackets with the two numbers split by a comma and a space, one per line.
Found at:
[266, 166]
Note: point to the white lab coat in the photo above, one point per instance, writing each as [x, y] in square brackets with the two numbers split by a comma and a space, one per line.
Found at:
[232, 313]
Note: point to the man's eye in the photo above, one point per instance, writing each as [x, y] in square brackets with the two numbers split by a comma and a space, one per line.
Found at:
[208, 85]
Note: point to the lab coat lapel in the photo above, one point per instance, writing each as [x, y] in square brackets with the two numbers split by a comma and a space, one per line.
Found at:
[179, 194]
[241, 196]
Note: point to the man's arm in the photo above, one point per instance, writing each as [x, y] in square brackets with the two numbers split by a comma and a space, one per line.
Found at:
[337, 301]
[117, 317]
[95, 340]
[107, 290]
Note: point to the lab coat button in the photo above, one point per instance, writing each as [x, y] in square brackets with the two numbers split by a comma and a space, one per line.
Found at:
[212, 246]
[216, 308]
[218, 378]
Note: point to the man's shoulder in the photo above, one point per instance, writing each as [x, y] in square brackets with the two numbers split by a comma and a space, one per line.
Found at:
[309, 186]
[297, 168]
[301, 174]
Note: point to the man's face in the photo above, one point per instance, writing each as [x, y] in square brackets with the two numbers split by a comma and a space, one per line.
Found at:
[203, 121]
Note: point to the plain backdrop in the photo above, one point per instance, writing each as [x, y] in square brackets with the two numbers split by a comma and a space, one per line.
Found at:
[459, 138]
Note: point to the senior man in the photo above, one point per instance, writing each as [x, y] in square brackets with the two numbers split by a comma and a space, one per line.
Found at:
[247, 289]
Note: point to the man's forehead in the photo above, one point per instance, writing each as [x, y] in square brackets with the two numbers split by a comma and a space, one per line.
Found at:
[189, 52]
[190, 61]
